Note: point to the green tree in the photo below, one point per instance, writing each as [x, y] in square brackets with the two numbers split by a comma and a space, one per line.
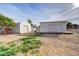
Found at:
[74, 26]
[29, 21]
[5, 21]
[69, 25]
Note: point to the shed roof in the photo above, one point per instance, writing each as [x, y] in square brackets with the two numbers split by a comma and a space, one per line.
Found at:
[54, 21]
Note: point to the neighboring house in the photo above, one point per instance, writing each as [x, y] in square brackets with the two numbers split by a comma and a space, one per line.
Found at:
[23, 27]
[53, 26]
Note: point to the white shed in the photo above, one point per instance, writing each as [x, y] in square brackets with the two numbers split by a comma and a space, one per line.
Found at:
[23, 27]
[53, 26]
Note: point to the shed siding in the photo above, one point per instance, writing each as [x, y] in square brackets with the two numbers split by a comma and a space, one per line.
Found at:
[53, 27]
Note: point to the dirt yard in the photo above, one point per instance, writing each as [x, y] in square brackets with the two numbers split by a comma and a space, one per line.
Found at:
[53, 44]
[60, 45]
[10, 37]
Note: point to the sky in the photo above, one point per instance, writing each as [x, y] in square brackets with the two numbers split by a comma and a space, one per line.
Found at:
[39, 12]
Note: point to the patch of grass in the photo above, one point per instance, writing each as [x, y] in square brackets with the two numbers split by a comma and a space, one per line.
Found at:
[27, 44]
[8, 50]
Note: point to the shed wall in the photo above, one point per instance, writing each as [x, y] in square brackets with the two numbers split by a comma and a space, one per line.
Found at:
[53, 27]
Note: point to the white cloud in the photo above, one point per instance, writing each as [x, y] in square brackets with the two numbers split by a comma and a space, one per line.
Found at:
[12, 12]
[44, 12]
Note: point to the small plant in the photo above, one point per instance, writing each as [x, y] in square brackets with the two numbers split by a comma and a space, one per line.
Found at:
[24, 49]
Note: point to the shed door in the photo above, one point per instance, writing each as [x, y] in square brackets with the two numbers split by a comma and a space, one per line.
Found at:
[52, 27]
[60, 28]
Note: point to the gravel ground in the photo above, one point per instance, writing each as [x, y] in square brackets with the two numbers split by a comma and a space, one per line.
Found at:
[59, 45]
